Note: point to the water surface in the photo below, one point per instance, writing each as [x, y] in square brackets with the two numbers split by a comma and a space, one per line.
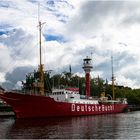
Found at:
[113, 126]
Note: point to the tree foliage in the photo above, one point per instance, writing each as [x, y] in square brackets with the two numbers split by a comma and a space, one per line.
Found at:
[97, 85]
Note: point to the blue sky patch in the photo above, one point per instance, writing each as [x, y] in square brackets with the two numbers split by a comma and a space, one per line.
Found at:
[3, 32]
[50, 2]
[58, 38]
[6, 29]
[33, 1]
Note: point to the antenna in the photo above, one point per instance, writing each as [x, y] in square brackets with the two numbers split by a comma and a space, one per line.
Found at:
[91, 54]
[40, 24]
[38, 12]
[112, 66]
[113, 79]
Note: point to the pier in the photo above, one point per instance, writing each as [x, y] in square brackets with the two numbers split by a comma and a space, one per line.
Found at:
[7, 114]
[133, 107]
[6, 111]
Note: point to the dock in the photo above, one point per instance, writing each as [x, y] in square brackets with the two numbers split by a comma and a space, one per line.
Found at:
[6, 111]
[7, 114]
[133, 107]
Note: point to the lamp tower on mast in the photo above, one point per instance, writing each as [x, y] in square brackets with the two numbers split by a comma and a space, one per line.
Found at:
[87, 66]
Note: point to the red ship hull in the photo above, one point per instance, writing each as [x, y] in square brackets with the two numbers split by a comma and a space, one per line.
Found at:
[30, 106]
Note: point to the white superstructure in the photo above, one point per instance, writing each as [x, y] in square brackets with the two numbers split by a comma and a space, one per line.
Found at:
[70, 95]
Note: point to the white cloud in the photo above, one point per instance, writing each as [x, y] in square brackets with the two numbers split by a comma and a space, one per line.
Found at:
[127, 82]
[5, 58]
[18, 85]
[100, 27]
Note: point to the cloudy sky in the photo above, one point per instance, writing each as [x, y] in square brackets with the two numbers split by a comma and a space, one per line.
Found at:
[72, 30]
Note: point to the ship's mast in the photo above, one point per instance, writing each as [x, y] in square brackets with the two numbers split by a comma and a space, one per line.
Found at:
[40, 53]
[113, 79]
[41, 65]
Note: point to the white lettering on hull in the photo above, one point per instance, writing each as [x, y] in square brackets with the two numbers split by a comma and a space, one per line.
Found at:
[91, 108]
[72, 107]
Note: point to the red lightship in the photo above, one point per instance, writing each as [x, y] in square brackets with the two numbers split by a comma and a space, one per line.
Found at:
[60, 102]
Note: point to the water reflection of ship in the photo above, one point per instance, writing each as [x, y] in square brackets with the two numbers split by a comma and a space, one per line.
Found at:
[97, 127]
